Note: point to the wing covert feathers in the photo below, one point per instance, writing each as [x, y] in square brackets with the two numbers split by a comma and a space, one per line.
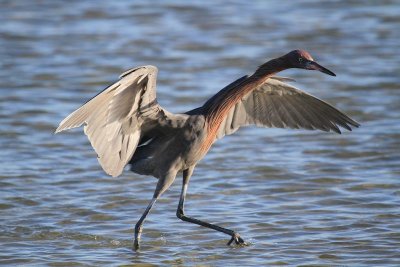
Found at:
[280, 105]
[114, 117]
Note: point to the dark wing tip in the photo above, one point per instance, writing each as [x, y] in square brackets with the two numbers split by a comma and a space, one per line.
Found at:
[356, 124]
[352, 123]
[347, 126]
[337, 130]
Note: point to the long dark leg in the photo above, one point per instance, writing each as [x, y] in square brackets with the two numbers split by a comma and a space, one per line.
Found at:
[162, 185]
[139, 224]
[180, 213]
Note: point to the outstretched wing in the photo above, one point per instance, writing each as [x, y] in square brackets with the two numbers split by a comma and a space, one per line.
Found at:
[280, 105]
[116, 118]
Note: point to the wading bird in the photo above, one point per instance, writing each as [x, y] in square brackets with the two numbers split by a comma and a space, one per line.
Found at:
[126, 125]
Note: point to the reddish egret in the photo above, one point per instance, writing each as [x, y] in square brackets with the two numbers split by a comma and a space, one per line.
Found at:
[126, 125]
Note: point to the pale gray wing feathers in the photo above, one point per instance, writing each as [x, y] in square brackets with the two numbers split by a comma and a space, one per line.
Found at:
[277, 104]
[113, 118]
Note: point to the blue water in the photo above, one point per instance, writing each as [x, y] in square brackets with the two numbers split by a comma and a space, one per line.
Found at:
[300, 198]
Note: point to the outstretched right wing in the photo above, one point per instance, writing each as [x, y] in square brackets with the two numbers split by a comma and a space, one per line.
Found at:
[116, 118]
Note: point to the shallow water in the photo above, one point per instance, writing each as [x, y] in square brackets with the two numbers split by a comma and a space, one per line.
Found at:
[298, 197]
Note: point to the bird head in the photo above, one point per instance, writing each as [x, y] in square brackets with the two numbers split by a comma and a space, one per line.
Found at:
[302, 59]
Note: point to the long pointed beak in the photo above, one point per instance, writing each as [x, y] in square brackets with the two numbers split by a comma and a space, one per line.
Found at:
[315, 66]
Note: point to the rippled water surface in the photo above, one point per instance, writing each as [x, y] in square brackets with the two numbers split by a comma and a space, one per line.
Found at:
[298, 197]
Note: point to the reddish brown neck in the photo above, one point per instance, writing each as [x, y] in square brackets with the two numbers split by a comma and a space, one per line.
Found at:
[216, 111]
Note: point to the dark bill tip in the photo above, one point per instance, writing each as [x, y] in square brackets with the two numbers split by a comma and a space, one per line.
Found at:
[316, 66]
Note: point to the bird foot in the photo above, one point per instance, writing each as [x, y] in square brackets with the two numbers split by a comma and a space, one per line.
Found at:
[238, 240]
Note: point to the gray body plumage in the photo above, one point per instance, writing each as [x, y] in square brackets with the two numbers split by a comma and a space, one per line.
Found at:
[120, 120]
[126, 125]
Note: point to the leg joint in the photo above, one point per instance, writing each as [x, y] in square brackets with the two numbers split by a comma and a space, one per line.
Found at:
[138, 226]
[180, 213]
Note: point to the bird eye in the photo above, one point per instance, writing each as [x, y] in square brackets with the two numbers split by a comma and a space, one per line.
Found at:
[300, 59]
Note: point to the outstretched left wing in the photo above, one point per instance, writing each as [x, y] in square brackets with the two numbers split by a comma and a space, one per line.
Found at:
[280, 105]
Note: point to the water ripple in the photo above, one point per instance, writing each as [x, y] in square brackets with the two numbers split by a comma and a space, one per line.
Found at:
[299, 198]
